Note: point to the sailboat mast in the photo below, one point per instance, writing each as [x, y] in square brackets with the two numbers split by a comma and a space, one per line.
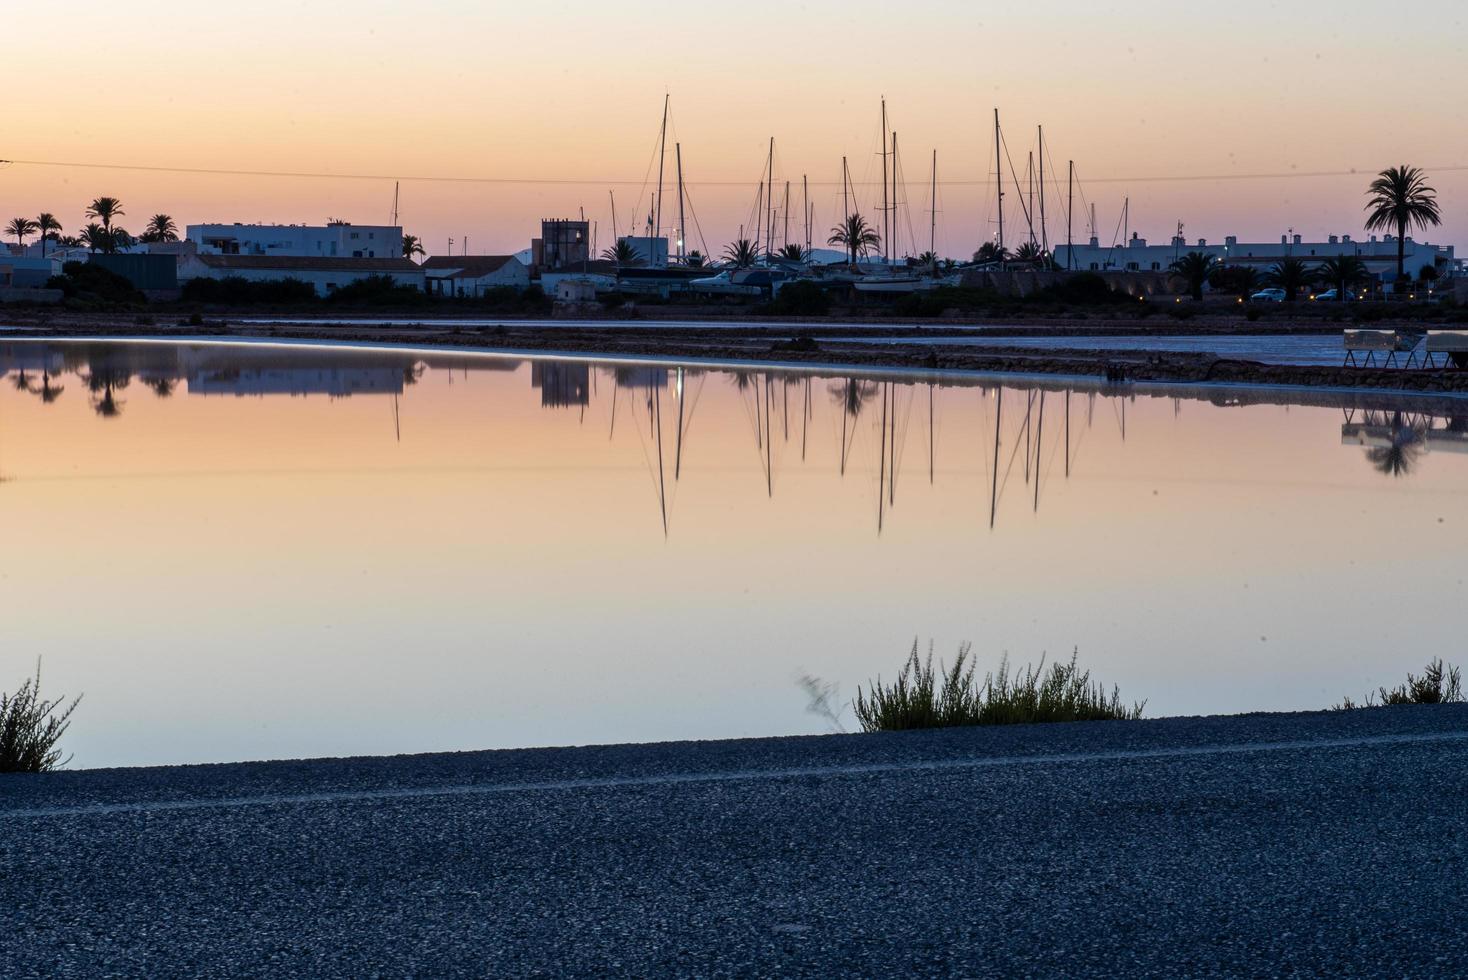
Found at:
[886, 234]
[933, 213]
[613, 195]
[999, 181]
[786, 208]
[1030, 187]
[894, 197]
[770, 196]
[805, 208]
[1070, 202]
[394, 204]
[1044, 238]
[682, 232]
[662, 156]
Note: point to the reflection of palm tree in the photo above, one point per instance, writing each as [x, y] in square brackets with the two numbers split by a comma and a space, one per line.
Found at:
[162, 387]
[104, 383]
[854, 394]
[48, 392]
[22, 381]
[413, 372]
[1399, 457]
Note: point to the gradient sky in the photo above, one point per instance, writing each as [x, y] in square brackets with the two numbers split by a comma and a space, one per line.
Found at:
[561, 91]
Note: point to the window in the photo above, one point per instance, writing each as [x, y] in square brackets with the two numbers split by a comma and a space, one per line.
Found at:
[357, 254]
[1095, 266]
[1156, 266]
[354, 234]
[372, 234]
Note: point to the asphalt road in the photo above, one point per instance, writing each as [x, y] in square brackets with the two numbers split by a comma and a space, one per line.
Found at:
[1331, 844]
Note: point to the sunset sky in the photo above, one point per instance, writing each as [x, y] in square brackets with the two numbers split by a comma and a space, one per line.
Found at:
[561, 102]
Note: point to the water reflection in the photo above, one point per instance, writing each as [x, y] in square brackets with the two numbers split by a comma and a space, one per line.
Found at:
[876, 421]
[527, 547]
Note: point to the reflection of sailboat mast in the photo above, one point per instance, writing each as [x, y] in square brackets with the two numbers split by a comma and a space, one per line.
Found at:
[930, 409]
[769, 460]
[994, 489]
[1067, 433]
[882, 461]
[1039, 442]
[657, 395]
[1029, 405]
[396, 426]
[892, 456]
[805, 420]
[614, 412]
[678, 451]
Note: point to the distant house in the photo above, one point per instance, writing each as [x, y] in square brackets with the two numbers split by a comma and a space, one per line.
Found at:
[324, 274]
[335, 239]
[473, 275]
[21, 272]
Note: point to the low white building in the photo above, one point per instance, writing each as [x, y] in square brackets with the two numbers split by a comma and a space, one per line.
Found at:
[336, 239]
[473, 275]
[323, 274]
[1379, 254]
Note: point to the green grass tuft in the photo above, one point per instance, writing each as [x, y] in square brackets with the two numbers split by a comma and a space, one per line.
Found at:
[922, 697]
[30, 727]
[1439, 684]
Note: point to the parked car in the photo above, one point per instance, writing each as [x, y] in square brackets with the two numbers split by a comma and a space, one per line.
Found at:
[1271, 295]
[1332, 296]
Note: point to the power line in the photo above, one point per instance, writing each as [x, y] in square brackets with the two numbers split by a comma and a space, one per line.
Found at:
[632, 182]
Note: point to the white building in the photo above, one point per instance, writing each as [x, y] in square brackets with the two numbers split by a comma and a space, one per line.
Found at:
[1380, 255]
[336, 239]
[473, 275]
[324, 274]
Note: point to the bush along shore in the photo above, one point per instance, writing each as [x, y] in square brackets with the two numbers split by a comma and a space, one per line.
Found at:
[31, 726]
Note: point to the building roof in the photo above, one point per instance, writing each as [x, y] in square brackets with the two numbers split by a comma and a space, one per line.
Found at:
[467, 266]
[308, 263]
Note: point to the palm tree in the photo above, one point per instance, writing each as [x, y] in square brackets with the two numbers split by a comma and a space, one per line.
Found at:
[694, 259]
[160, 229]
[1291, 275]
[793, 253]
[94, 236]
[855, 236]
[1344, 272]
[1240, 279]
[1195, 268]
[48, 392]
[741, 254]
[1398, 199]
[1029, 253]
[21, 227]
[104, 209]
[412, 246]
[621, 254]
[46, 224]
[928, 260]
[989, 252]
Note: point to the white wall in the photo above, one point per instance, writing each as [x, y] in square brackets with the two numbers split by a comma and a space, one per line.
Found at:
[317, 241]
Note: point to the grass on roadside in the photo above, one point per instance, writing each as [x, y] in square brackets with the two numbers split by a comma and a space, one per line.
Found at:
[1439, 684]
[31, 726]
[922, 697]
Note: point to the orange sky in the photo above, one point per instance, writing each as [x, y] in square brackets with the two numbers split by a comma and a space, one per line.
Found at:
[573, 91]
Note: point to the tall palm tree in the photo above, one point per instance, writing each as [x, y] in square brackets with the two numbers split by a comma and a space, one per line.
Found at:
[1195, 268]
[1398, 199]
[621, 254]
[47, 225]
[21, 227]
[104, 209]
[412, 245]
[1291, 275]
[793, 253]
[741, 254]
[160, 229]
[854, 234]
[1344, 272]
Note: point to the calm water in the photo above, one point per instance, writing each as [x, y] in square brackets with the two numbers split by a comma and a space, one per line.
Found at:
[250, 552]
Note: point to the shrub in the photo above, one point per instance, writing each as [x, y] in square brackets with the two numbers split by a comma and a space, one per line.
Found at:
[378, 291]
[800, 299]
[239, 291]
[922, 697]
[91, 283]
[1439, 684]
[30, 727]
[1252, 314]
